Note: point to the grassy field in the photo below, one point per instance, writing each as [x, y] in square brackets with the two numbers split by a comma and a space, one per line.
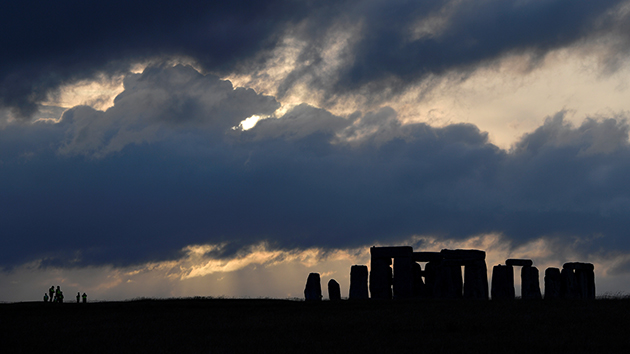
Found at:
[284, 326]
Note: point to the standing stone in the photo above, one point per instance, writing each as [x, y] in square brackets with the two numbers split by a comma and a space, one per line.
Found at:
[582, 287]
[552, 283]
[448, 280]
[476, 280]
[519, 262]
[381, 278]
[568, 287]
[530, 284]
[590, 279]
[419, 289]
[578, 281]
[430, 275]
[334, 290]
[502, 282]
[358, 282]
[586, 283]
[403, 277]
[313, 290]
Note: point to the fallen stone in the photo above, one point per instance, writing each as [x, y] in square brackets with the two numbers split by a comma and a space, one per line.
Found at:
[358, 282]
[313, 290]
[334, 290]
[519, 262]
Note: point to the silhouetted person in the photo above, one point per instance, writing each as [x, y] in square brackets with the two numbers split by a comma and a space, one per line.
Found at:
[61, 297]
[51, 293]
[45, 297]
[78, 297]
[84, 298]
[57, 294]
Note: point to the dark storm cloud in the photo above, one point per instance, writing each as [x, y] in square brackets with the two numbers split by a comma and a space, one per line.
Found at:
[402, 42]
[49, 44]
[475, 31]
[100, 189]
[46, 44]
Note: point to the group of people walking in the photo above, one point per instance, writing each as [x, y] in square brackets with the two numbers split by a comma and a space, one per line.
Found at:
[56, 295]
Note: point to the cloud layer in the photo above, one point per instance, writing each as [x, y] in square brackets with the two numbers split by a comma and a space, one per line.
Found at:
[373, 48]
[163, 169]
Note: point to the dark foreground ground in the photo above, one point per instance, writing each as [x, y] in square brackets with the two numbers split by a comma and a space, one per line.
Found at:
[283, 326]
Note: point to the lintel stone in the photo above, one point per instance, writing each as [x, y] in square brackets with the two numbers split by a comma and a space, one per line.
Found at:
[391, 252]
[519, 262]
[578, 265]
[464, 255]
[426, 256]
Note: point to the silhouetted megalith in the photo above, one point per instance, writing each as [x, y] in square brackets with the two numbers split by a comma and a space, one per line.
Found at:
[391, 252]
[448, 280]
[334, 290]
[552, 283]
[568, 285]
[577, 281]
[578, 265]
[313, 290]
[381, 278]
[519, 262]
[443, 277]
[476, 280]
[590, 281]
[530, 285]
[502, 282]
[358, 282]
[419, 288]
[430, 275]
[426, 256]
[403, 277]
[463, 256]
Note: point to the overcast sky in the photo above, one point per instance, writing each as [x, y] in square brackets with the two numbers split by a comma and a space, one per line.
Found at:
[167, 149]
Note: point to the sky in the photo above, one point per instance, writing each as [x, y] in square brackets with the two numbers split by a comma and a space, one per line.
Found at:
[227, 149]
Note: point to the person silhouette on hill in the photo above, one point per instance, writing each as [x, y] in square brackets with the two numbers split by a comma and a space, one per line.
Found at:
[51, 293]
[57, 294]
[78, 297]
[45, 297]
[84, 298]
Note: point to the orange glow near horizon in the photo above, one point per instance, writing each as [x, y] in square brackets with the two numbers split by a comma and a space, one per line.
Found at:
[263, 272]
